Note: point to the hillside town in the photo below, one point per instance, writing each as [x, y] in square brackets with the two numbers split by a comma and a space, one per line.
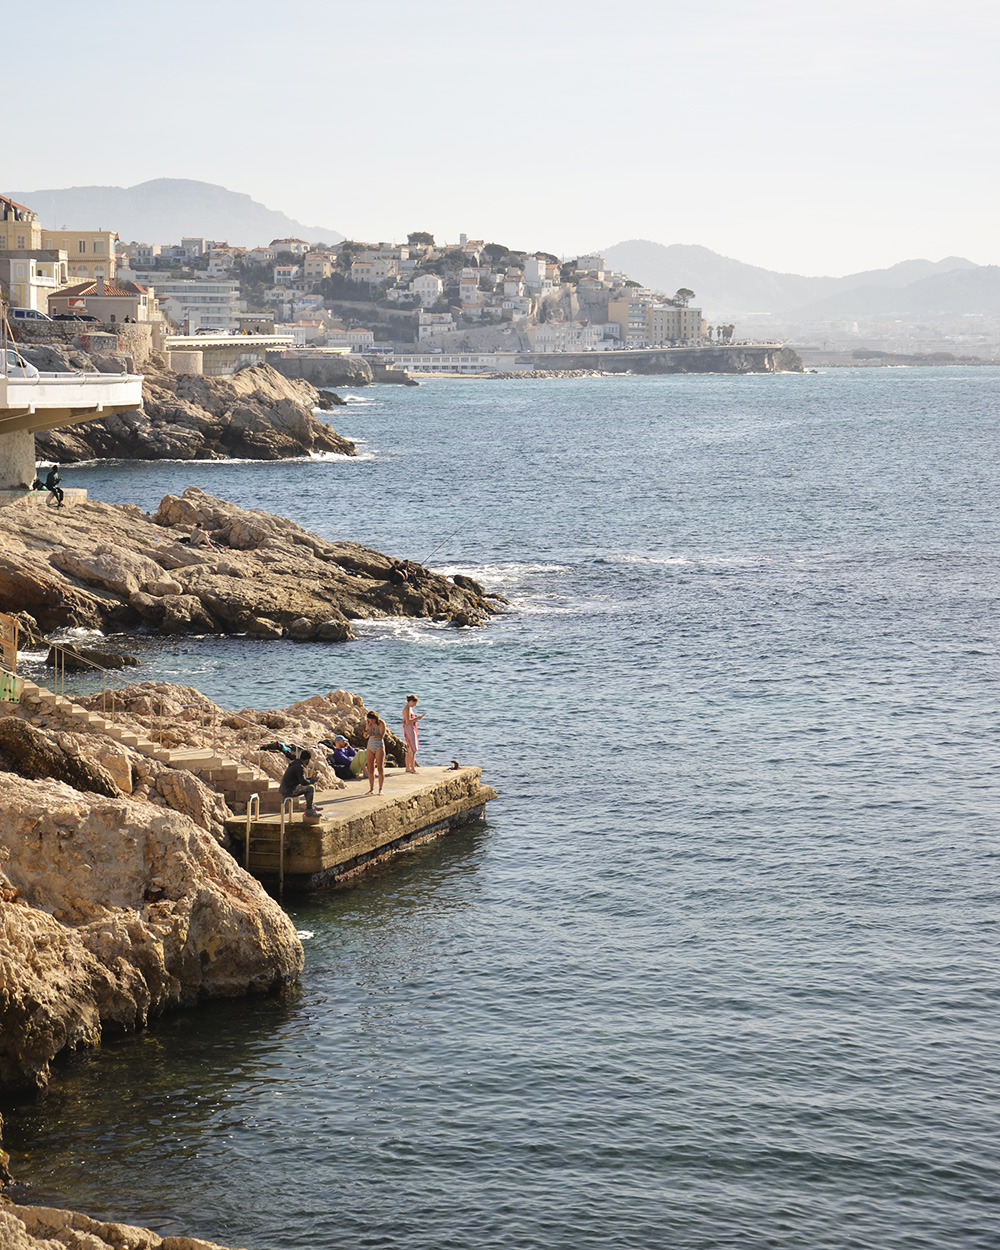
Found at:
[420, 303]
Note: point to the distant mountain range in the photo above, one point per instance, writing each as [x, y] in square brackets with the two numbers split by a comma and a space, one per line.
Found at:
[163, 210]
[728, 288]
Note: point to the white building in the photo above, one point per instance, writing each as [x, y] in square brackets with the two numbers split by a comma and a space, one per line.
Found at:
[430, 324]
[200, 302]
[358, 340]
[460, 362]
[219, 264]
[469, 294]
[144, 254]
[31, 277]
[565, 336]
[298, 247]
[427, 288]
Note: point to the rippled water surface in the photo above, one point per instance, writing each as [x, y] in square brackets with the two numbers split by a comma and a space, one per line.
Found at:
[720, 970]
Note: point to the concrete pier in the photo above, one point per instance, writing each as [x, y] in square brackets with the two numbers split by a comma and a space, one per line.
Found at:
[356, 831]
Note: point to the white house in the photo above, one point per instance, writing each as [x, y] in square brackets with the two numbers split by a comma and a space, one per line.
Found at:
[298, 247]
[430, 324]
[427, 289]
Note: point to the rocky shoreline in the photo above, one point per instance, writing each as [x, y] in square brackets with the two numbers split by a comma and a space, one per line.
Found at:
[256, 413]
[119, 898]
[113, 567]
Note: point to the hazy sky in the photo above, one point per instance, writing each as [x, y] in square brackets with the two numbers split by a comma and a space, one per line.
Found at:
[804, 138]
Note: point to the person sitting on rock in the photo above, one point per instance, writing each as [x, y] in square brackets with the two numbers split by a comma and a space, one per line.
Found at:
[295, 783]
[52, 484]
[398, 575]
[345, 760]
[200, 537]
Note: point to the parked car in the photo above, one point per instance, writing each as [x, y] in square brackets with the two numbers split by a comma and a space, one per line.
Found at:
[74, 317]
[18, 367]
[211, 330]
[28, 314]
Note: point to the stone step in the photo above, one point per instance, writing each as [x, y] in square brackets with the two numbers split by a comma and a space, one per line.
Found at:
[194, 759]
[222, 775]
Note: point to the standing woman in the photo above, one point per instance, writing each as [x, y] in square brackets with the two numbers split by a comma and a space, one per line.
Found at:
[410, 734]
[375, 731]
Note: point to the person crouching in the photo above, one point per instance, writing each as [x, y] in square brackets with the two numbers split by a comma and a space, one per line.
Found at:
[295, 783]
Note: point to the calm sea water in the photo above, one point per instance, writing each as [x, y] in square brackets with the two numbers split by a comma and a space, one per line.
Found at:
[720, 970]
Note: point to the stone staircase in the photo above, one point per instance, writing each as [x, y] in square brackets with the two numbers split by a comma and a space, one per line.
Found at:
[234, 781]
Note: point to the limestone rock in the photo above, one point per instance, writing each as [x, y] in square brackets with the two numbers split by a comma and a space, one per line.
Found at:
[75, 658]
[185, 614]
[33, 754]
[113, 911]
[181, 791]
[50, 1228]
[112, 568]
[327, 370]
[255, 413]
[109, 568]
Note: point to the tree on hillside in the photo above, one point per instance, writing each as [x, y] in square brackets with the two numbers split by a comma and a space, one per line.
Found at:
[420, 237]
[682, 296]
[495, 252]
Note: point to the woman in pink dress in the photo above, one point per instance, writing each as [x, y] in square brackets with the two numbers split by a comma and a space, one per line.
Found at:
[411, 735]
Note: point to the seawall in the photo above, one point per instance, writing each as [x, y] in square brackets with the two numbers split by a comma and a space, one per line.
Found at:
[716, 358]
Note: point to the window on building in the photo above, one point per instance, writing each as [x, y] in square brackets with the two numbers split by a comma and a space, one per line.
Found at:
[82, 246]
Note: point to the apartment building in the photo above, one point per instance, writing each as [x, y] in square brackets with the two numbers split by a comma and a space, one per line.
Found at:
[644, 322]
[29, 278]
[200, 302]
[89, 253]
[317, 265]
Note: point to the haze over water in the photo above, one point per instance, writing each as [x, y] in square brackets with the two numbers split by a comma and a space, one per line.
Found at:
[720, 968]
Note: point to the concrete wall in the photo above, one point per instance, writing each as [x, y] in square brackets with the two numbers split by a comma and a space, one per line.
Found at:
[138, 341]
[186, 362]
[17, 460]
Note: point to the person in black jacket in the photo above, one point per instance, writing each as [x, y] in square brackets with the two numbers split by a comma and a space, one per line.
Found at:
[52, 484]
[295, 783]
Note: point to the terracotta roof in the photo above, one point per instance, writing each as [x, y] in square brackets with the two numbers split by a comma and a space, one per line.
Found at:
[5, 199]
[90, 288]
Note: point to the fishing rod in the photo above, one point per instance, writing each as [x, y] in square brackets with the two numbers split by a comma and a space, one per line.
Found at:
[441, 544]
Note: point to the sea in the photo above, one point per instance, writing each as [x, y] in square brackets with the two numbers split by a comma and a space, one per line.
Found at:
[720, 967]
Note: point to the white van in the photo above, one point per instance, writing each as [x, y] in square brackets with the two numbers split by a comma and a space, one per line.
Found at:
[16, 367]
[28, 314]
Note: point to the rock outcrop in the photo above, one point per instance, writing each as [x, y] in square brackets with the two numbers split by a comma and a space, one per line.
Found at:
[105, 566]
[326, 371]
[112, 911]
[255, 414]
[175, 716]
[49, 1228]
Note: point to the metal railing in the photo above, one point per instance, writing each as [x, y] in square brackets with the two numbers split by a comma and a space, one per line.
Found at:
[287, 808]
[109, 678]
[253, 810]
